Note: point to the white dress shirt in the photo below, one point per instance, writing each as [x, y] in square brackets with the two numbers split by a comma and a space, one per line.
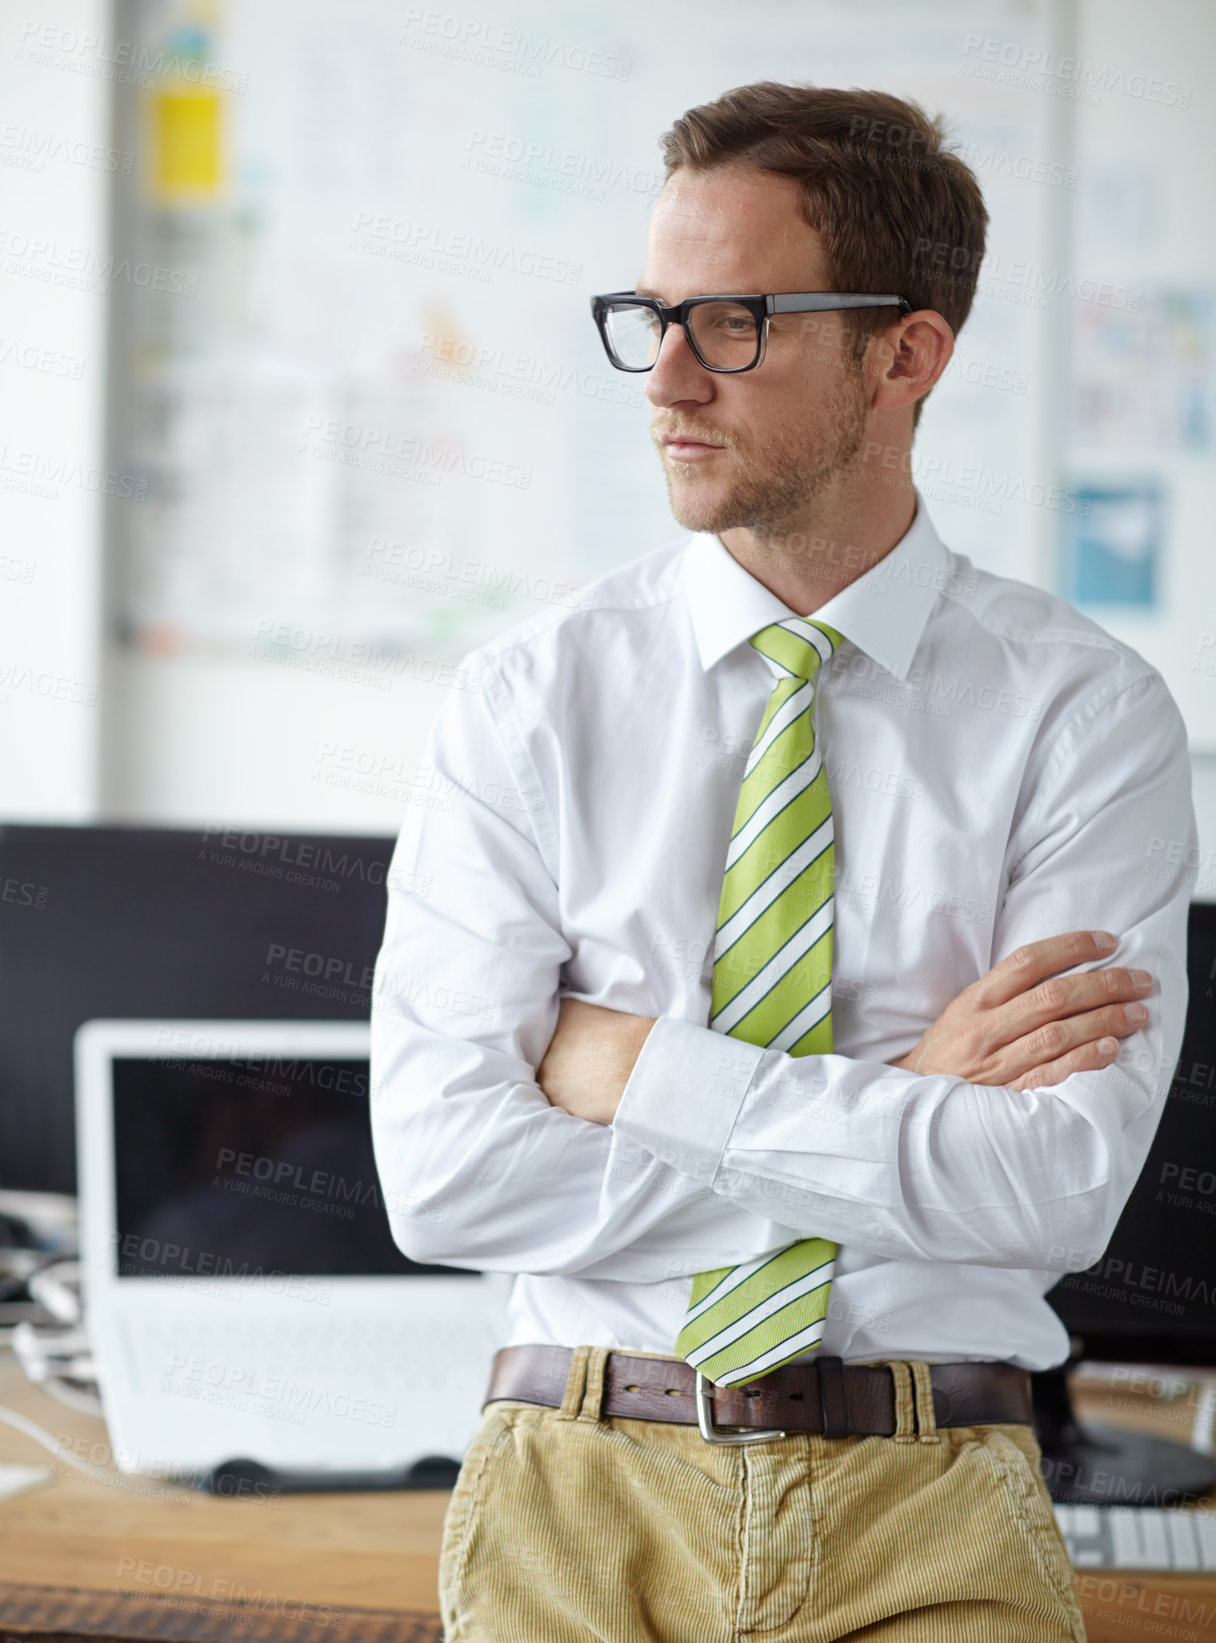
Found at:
[1001, 769]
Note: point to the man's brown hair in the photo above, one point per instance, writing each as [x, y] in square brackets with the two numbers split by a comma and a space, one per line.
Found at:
[897, 211]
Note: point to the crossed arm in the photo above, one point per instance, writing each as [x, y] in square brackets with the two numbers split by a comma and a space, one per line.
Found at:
[1013, 1027]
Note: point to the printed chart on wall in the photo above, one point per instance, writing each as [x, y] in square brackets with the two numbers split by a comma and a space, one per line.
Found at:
[371, 401]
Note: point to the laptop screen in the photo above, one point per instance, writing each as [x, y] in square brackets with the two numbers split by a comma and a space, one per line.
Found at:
[246, 1166]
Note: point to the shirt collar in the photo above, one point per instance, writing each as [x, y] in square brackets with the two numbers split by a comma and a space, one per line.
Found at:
[883, 612]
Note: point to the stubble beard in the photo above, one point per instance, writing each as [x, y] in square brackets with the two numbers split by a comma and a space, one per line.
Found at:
[771, 495]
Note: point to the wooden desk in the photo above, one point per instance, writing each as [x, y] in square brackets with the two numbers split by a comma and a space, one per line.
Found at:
[141, 1559]
[133, 1558]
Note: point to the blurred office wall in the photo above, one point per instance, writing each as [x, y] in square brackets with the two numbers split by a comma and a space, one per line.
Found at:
[53, 223]
[303, 399]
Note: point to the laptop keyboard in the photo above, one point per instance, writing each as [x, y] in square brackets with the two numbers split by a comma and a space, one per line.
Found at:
[1138, 1537]
[384, 1360]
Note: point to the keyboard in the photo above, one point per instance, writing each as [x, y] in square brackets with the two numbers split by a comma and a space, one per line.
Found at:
[382, 1358]
[1139, 1537]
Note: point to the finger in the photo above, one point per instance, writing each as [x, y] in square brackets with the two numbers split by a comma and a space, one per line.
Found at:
[1085, 1058]
[1028, 965]
[1056, 1039]
[1062, 996]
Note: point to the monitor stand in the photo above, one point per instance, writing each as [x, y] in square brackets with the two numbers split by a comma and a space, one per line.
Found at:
[1095, 1465]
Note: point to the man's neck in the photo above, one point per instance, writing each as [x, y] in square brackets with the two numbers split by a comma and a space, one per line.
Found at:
[805, 562]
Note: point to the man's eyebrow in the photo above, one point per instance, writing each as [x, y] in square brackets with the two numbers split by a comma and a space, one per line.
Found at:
[648, 291]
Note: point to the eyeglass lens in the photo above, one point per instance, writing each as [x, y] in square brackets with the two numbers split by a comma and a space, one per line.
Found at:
[725, 334]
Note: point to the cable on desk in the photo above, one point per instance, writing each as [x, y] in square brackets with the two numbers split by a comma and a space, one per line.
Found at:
[45, 1438]
[41, 1436]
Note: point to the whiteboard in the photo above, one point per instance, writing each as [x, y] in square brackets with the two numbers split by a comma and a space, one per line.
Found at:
[384, 418]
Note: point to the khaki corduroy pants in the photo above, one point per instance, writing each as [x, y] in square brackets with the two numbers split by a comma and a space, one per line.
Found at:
[566, 1526]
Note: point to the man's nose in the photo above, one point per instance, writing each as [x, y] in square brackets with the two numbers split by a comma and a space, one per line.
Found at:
[677, 374]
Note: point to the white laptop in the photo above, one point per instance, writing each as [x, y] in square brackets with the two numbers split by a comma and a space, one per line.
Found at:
[243, 1294]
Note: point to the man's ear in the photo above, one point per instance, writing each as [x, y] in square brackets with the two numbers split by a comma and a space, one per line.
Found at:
[914, 354]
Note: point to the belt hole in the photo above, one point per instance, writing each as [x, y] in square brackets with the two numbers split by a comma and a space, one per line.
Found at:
[795, 1394]
[633, 1389]
[672, 1391]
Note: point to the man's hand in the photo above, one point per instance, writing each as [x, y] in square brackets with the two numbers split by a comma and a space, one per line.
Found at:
[1016, 1028]
[590, 1056]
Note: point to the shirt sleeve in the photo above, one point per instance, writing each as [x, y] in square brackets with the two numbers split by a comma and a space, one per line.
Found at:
[933, 1167]
[477, 1169]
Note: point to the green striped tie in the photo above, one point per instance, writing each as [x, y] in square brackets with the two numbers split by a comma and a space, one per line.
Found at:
[772, 986]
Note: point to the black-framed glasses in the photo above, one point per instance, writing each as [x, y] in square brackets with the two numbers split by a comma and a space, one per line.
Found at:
[725, 333]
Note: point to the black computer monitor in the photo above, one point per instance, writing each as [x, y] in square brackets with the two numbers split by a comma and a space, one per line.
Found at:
[166, 922]
[1152, 1296]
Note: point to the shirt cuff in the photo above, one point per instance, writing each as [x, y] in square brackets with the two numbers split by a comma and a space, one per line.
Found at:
[684, 1094]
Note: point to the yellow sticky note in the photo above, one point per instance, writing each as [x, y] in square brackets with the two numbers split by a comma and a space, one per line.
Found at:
[186, 136]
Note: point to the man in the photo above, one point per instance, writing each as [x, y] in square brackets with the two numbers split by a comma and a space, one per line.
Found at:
[779, 994]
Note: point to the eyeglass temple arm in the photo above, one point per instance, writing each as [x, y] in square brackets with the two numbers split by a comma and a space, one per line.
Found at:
[802, 302]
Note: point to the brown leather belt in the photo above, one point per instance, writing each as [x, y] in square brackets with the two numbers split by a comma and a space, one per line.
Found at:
[824, 1395]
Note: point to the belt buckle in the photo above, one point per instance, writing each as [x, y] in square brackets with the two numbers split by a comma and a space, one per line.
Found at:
[715, 1434]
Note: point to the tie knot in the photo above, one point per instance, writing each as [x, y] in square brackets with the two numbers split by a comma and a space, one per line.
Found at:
[797, 646]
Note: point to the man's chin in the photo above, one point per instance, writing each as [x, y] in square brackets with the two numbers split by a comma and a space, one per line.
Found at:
[699, 507]
[700, 519]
